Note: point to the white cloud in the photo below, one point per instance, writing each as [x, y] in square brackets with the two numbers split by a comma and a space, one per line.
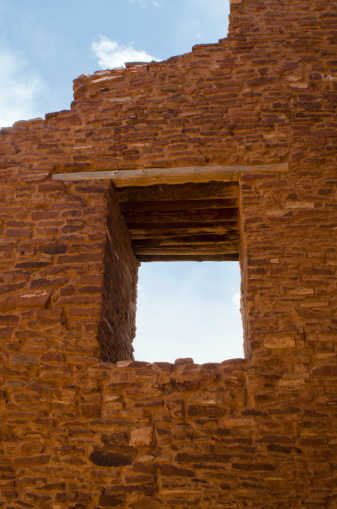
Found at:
[141, 295]
[20, 89]
[110, 54]
[236, 300]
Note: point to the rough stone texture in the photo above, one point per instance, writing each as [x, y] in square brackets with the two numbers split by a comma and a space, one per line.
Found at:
[259, 432]
[117, 328]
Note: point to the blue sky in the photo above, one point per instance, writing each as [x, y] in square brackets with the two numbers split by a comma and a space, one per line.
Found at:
[43, 47]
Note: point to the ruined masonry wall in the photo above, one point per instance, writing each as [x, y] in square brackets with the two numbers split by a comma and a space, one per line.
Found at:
[80, 433]
[52, 265]
[117, 327]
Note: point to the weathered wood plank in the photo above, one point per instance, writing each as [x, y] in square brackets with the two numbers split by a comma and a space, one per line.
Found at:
[183, 235]
[181, 175]
[177, 229]
[204, 249]
[182, 216]
[187, 240]
[157, 206]
[190, 258]
[179, 192]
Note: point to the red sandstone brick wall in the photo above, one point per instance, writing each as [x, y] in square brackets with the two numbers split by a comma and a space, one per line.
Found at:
[118, 324]
[80, 433]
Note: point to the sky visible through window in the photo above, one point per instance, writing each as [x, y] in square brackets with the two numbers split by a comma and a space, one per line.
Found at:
[188, 309]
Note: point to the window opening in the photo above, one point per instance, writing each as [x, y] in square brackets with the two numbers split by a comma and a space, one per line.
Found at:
[188, 309]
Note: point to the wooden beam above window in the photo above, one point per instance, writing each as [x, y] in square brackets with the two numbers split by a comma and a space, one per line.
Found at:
[181, 175]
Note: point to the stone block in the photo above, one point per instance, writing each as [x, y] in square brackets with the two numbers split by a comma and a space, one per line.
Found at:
[23, 359]
[114, 456]
[111, 501]
[280, 342]
[147, 503]
[32, 446]
[142, 437]
[173, 471]
[34, 299]
[204, 411]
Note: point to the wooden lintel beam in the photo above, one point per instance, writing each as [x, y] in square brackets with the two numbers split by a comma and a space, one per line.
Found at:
[181, 175]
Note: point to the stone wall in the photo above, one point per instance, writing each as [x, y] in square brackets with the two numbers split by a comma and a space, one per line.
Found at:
[53, 240]
[261, 432]
[162, 436]
[118, 325]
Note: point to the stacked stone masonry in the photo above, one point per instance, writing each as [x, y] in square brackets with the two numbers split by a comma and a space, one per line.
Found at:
[78, 432]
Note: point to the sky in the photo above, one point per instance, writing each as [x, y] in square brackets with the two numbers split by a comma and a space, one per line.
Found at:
[185, 309]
